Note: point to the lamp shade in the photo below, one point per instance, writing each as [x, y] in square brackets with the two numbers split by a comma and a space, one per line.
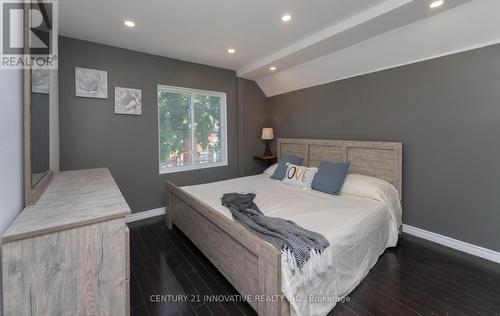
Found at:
[267, 133]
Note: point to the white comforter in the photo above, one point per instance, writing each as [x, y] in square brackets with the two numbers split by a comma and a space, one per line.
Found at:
[358, 229]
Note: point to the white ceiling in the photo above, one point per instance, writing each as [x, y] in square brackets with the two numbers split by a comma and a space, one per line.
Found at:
[325, 41]
[202, 30]
[471, 25]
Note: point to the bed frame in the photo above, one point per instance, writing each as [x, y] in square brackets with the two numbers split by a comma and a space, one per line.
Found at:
[249, 263]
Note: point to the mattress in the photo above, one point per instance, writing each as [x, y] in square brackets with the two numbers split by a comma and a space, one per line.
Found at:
[358, 230]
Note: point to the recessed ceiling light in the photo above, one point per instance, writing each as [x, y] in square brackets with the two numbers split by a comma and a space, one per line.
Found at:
[129, 23]
[272, 68]
[231, 50]
[286, 18]
[436, 4]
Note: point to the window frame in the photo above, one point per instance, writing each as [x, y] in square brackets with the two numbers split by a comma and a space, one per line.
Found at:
[223, 127]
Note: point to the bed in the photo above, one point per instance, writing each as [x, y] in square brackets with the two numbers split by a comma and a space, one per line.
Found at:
[359, 229]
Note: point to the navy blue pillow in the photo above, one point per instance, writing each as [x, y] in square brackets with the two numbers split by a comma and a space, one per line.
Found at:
[330, 177]
[279, 173]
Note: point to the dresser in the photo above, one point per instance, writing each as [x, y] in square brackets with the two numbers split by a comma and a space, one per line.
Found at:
[69, 253]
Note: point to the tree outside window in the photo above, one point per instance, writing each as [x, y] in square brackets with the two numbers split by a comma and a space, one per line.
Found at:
[191, 128]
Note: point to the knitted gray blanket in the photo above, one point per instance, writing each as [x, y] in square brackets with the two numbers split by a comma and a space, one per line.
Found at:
[281, 233]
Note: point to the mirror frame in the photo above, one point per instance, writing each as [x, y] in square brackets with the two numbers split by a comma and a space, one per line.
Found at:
[31, 192]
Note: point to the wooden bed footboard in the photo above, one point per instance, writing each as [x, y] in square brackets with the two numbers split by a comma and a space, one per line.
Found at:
[249, 263]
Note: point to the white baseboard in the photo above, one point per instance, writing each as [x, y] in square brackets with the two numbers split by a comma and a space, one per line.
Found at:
[484, 253]
[143, 215]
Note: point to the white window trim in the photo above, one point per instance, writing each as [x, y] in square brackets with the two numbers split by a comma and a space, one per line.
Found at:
[223, 126]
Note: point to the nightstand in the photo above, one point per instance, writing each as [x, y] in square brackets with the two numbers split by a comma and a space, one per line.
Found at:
[269, 159]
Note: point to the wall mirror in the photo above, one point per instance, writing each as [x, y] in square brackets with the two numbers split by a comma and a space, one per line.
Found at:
[37, 173]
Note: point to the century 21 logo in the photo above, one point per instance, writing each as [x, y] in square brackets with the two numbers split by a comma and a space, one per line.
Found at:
[13, 28]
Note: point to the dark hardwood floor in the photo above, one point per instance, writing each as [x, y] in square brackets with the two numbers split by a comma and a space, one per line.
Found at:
[415, 278]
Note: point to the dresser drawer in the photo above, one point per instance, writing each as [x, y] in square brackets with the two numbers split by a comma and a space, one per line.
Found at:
[67, 272]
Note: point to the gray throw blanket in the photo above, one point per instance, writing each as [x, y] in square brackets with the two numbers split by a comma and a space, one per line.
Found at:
[281, 233]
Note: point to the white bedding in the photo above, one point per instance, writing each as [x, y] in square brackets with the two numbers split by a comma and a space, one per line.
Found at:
[358, 229]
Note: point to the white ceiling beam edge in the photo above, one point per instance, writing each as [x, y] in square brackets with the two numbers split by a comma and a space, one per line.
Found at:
[469, 26]
[251, 71]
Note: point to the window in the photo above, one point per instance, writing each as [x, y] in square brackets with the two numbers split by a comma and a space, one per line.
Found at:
[192, 129]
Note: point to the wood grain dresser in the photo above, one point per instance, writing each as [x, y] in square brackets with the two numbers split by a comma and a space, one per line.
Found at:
[69, 254]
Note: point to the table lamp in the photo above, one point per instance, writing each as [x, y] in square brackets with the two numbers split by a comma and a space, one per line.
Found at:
[267, 135]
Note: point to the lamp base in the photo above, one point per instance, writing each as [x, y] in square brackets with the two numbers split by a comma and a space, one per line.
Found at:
[267, 152]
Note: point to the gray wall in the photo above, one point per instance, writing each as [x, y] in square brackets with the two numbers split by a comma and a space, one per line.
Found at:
[91, 135]
[40, 135]
[253, 116]
[11, 149]
[447, 114]
[445, 111]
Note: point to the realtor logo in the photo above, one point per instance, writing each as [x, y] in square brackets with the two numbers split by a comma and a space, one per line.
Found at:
[27, 34]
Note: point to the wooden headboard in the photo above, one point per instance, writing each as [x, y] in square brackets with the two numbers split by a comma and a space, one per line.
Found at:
[382, 160]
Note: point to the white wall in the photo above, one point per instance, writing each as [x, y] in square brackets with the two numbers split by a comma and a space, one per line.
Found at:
[11, 147]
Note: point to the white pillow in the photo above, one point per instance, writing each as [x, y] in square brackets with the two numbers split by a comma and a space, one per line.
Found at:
[270, 171]
[375, 189]
[299, 176]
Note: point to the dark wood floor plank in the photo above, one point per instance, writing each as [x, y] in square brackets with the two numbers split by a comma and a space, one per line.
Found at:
[417, 275]
[379, 303]
[164, 280]
[357, 307]
[216, 307]
[138, 271]
[159, 259]
[415, 278]
[221, 283]
[398, 297]
[484, 291]
[139, 310]
[207, 281]
[194, 276]
[342, 310]
[171, 260]
[210, 283]
[216, 281]
[437, 292]
[408, 292]
[204, 272]
[178, 272]
[148, 283]
[135, 294]
[203, 310]
[451, 259]
[178, 255]
[456, 294]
